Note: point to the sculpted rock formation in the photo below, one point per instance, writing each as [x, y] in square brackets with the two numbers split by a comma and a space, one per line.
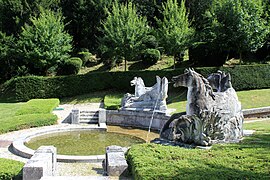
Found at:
[147, 97]
[211, 117]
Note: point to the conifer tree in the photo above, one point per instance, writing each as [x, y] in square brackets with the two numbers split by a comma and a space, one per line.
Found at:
[174, 32]
[44, 43]
[123, 32]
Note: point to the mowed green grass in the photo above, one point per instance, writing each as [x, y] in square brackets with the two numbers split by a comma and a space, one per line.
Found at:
[34, 113]
[249, 159]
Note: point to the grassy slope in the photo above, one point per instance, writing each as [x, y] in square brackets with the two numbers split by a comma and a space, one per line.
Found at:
[15, 116]
[246, 160]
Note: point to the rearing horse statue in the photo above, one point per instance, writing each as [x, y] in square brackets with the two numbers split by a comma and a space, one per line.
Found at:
[210, 116]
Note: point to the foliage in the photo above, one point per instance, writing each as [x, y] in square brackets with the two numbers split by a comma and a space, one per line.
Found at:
[25, 88]
[246, 160]
[83, 18]
[10, 169]
[44, 44]
[174, 32]
[123, 31]
[86, 57]
[150, 56]
[15, 13]
[6, 56]
[71, 66]
[34, 113]
[240, 25]
[150, 41]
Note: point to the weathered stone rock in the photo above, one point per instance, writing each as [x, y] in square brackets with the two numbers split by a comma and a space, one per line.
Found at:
[115, 162]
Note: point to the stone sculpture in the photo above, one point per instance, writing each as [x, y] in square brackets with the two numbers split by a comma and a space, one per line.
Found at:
[147, 97]
[211, 117]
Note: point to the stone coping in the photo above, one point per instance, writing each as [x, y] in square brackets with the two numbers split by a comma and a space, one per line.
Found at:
[20, 149]
[256, 111]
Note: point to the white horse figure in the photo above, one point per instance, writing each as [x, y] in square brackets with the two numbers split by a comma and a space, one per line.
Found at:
[147, 97]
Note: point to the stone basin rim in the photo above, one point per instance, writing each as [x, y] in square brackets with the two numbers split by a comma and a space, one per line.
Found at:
[20, 149]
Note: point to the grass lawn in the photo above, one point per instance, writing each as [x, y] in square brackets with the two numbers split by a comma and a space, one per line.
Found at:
[249, 159]
[36, 112]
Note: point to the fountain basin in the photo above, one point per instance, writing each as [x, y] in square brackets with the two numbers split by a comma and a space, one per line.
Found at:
[22, 150]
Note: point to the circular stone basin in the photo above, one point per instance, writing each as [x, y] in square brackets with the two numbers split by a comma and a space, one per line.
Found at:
[83, 143]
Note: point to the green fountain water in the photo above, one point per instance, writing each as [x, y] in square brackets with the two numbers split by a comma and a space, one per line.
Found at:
[83, 142]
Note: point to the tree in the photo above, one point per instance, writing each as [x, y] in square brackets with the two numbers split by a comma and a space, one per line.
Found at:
[123, 31]
[83, 18]
[44, 43]
[15, 13]
[240, 25]
[174, 32]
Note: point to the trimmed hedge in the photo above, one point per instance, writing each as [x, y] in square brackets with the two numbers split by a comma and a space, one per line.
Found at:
[25, 88]
[10, 169]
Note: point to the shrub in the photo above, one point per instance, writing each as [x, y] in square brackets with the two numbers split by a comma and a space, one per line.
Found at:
[44, 43]
[150, 56]
[150, 42]
[30, 87]
[86, 57]
[10, 169]
[71, 66]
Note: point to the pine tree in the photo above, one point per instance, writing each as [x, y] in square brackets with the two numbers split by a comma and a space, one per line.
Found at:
[174, 32]
[44, 43]
[123, 32]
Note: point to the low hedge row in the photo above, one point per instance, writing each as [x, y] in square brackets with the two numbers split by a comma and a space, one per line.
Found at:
[10, 169]
[25, 88]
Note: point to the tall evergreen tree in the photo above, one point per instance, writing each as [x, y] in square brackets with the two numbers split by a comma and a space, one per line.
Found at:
[44, 43]
[123, 31]
[174, 32]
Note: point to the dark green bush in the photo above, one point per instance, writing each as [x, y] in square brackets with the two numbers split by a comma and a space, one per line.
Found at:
[150, 56]
[150, 42]
[30, 87]
[71, 66]
[10, 169]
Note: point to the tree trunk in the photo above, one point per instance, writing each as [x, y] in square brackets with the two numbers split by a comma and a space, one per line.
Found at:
[240, 57]
[125, 64]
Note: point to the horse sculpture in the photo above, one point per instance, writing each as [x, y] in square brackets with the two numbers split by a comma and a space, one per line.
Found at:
[210, 116]
[147, 97]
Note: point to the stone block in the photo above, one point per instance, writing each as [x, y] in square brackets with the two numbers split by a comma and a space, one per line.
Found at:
[75, 115]
[102, 116]
[42, 163]
[115, 162]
